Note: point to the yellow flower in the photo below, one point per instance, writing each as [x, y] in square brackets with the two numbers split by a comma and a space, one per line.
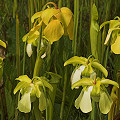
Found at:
[54, 22]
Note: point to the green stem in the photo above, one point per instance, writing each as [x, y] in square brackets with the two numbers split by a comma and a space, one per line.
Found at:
[68, 3]
[64, 93]
[51, 103]
[38, 63]
[76, 18]
[2, 107]
[94, 111]
[45, 102]
[24, 58]
[80, 28]
[17, 46]
[60, 3]
[39, 42]
[36, 110]
[29, 12]
[70, 105]
[106, 56]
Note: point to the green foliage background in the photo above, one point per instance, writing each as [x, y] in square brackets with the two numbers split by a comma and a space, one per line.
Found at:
[62, 50]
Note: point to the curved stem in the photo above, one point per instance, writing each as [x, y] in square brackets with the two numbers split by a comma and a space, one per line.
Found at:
[56, 7]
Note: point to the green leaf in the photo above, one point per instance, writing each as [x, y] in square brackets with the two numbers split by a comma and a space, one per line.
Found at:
[76, 60]
[105, 102]
[54, 77]
[21, 85]
[42, 102]
[94, 12]
[107, 81]
[99, 67]
[82, 82]
[48, 85]
[9, 104]
[24, 105]
[24, 78]
[85, 103]
[54, 31]
[42, 81]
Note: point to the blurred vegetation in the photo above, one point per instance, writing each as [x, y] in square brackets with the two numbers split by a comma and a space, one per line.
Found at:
[62, 50]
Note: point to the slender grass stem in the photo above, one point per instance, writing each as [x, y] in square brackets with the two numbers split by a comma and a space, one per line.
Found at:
[17, 46]
[60, 3]
[68, 3]
[24, 58]
[2, 107]
[76, 18]
[70, 105]
[64, 93]
[80, 27]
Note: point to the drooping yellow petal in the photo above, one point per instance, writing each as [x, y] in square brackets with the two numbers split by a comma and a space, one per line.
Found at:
[33, 37]
[2, 44]
[36, 15]
[54, 31]
[60, 17]
[33, 34]
[35, 28]
[48, 13]
[25, 37]
[115, 47]
[70, 29]
[67, 15]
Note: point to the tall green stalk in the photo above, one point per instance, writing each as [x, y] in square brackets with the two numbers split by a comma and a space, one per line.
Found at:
[64, 93]
[76, 19]
[80, 26]
[68, 3]
[94, 46]
[17, 46]
[60, 3]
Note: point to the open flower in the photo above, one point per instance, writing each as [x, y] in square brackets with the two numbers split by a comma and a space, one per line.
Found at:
[90, 65]
[55, 23]
[96, 90]
[30, 89]
[113, 33]
[84, 68]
